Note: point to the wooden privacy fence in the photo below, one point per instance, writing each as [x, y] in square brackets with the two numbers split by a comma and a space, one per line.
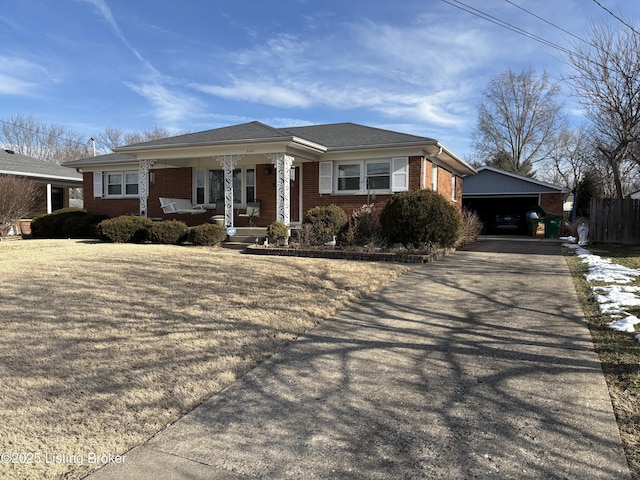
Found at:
[615, 221]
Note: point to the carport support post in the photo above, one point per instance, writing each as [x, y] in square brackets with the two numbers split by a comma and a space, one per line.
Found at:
[283, 163]
[228, 163]
[143, 184]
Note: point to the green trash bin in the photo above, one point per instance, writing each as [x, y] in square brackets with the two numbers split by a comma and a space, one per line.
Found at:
[552, 226]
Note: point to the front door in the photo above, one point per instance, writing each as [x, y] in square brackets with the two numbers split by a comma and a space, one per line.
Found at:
[294, 200]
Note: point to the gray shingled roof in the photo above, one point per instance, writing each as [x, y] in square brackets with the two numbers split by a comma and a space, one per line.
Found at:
[233, 133]
[352, 135]
[332, 136]
[25, 166]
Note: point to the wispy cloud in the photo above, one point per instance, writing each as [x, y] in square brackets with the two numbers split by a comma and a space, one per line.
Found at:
[17, 74]
[170, 105]
[104, 10]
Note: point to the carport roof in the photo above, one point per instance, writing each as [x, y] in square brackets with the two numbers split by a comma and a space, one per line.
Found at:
[490, 181]
[12, 163]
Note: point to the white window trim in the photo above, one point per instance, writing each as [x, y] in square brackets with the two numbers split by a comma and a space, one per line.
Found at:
[453, 189]
[398, 176]
[434, 177]
[102, 178]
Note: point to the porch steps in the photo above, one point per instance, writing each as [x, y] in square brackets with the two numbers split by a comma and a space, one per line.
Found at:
[244, 237]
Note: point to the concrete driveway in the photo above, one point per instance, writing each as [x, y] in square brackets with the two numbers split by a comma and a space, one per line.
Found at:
[480, 365]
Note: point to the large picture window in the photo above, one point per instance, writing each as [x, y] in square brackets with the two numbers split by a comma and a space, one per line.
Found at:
[216, 186]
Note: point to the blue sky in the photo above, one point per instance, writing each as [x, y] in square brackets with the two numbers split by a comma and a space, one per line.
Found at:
[416, 66]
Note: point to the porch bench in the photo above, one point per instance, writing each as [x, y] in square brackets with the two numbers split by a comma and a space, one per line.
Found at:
[180, 205]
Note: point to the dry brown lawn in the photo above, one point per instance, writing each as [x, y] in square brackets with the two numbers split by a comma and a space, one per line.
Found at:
[103, 345]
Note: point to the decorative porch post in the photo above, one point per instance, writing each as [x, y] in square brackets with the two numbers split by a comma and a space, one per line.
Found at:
[143, 184]
[283, 163]
[228, 163]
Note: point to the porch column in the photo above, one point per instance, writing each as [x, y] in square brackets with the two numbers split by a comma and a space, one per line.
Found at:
[143, 184]
[228, 163]
[49, 198]
[283, 163]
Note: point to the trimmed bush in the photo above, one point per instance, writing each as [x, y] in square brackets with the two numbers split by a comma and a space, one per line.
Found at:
[66, 223]
[207, 235]
[124, 229]
[421, 218]
[168, 232]
[325, 222]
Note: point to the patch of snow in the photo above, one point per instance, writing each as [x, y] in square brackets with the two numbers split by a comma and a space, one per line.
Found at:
[612, 299]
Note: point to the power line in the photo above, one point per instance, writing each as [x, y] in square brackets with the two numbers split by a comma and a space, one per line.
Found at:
[625, 23]
[485, 16]
[546, 21]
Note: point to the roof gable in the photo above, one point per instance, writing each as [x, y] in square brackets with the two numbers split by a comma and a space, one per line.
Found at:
[25, 166]
[493, 181]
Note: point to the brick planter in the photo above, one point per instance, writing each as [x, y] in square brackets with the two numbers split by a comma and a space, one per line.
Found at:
[398, 256]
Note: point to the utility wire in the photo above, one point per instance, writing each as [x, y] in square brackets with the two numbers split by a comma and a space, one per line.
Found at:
[478, 13]
[547, 21]
[625, 23]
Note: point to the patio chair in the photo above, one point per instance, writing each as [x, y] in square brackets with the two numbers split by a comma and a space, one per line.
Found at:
[253, 211]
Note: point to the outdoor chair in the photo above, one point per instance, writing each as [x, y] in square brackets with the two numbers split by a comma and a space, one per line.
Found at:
[253, 211]
[180, 205]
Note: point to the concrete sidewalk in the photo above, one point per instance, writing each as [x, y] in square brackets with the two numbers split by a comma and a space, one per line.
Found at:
[480, 365]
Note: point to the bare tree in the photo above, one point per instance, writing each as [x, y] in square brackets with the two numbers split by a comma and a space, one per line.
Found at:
[113, 137]
[50, 142]
[606, 80]
[17, 198]
[519, 115]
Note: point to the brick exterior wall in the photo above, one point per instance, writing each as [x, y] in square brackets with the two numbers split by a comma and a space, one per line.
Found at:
[177, 183]
[552, 203]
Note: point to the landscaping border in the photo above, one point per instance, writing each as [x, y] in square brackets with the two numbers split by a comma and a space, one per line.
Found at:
[397, 256]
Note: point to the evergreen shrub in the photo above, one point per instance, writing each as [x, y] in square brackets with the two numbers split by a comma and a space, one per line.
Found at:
[421, 218]
[324, 223]
[124, 229]
[65, 223]
[169, 232]
[207, 235]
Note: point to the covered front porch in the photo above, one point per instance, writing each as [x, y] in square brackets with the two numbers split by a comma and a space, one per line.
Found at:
[224, 186]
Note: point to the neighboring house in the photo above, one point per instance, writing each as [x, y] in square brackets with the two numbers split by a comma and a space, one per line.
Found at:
[288, 170]
[492, 193]
[53, 180]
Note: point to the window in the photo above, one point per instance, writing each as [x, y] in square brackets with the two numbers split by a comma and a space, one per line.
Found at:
[200, 187]
[131, 183]
[364, 176]
[121, 184]
[216, 185]
[114, 183]
[349, 177]
[453, 188]
[434, 177]
[378, 176]
[250, 185]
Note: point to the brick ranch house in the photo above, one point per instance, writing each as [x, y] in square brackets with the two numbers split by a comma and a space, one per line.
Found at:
[287, 170]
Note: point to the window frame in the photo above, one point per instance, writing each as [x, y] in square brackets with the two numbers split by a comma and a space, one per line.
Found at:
[240, 193]
[398, 176]
[123, 184]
